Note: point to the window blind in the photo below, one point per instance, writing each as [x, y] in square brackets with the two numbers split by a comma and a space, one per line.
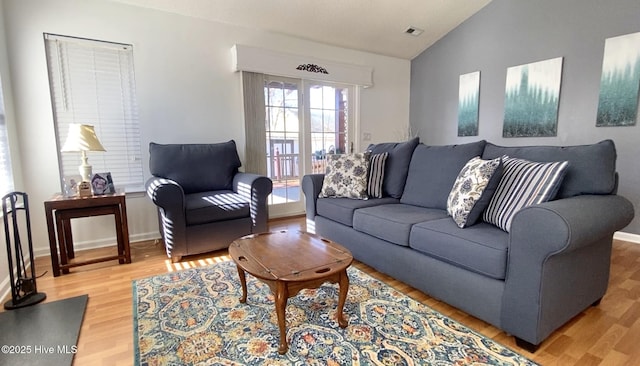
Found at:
[92, 82]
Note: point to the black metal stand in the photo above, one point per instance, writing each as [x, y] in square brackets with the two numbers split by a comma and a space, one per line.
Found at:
[23, 285]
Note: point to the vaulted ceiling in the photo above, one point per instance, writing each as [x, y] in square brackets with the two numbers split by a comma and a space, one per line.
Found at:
[376, 26]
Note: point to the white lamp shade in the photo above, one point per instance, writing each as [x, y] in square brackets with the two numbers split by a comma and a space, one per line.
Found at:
[82, 138]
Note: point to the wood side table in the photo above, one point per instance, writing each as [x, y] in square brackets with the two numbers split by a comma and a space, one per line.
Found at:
[66, 208]
[288, 262]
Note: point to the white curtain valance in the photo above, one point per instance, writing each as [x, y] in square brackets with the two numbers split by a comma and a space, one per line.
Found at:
[260, 60]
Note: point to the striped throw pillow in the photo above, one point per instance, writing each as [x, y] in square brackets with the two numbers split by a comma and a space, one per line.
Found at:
[523, 183]
[376, 174]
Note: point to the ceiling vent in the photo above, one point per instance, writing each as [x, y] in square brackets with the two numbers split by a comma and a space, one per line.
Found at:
[413, 31]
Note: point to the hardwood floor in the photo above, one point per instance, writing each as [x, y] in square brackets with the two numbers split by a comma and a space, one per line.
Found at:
[608, 334]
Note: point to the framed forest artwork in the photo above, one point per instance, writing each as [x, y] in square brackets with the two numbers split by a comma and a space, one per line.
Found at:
[532, 95]
[620, 81]
[468, 104]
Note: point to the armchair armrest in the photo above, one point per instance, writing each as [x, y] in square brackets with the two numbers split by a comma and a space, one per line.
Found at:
[165, 193]
[311, 186]
[256, 189]
[168, 195]
[559, 260]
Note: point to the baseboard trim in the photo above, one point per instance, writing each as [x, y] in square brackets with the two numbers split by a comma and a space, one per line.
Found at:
[93, 244]
[5, 285]
[628, 237]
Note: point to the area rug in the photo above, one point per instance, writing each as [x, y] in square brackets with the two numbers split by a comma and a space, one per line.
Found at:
[194, 317]
[42, 334]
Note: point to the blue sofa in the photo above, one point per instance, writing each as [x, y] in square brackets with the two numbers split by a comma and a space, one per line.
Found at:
[551, 265]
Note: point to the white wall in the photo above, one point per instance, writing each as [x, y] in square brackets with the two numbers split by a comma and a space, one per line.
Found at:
[186, 91]
[5, 79]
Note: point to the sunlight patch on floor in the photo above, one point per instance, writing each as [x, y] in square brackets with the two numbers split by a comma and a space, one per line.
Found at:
[202, 262]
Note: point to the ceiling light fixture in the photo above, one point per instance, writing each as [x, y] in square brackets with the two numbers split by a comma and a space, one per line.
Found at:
[414, 31]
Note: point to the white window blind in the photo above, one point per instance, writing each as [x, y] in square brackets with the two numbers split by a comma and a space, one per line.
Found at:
[6, 174]
[92, 82]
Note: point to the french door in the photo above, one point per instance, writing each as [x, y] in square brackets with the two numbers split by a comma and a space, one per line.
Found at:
[304, 122]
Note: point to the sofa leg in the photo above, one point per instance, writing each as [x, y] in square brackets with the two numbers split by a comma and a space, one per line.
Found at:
[597, 302]
[530, 347]
[176, 259]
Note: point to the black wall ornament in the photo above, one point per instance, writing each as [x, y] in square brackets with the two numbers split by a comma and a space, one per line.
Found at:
[312, 68]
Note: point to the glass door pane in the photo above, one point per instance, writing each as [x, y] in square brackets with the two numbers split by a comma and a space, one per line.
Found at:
[329, 123]
[300, 135]
[282, 100]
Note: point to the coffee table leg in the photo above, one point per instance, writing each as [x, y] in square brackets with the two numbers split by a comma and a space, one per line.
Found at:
[282, 294]
[243, 283]
[344, 288]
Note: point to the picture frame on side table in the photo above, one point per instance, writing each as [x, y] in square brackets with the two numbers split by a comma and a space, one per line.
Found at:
[102, 183]
[70, 185]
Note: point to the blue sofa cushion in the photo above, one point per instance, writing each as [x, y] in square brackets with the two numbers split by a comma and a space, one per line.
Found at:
[481, 248]
[342, 209]
[206, 207]
[592, 168]
[196, 167]
[397, 164]
[393, 222]
[433, 170]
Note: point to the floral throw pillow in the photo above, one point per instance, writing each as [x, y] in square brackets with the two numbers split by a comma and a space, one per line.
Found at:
[472, 191]
[346, 176]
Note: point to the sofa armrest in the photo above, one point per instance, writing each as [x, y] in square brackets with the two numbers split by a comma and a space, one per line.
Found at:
[311, 186]
[567, 224]
[559, 260]
[256, 189]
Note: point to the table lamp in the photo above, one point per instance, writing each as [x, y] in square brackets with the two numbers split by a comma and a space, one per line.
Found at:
[82, 138]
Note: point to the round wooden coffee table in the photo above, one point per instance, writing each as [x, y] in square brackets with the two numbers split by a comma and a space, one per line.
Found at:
[289, 261]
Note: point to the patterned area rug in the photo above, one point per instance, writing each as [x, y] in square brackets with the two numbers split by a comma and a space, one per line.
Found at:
[193, 317]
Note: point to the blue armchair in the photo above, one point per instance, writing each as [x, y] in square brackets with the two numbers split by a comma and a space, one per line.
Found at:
[204, 202]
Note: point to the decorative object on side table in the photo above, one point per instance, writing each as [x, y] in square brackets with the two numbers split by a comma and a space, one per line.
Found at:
[70, 185]
[23, 285]
[84, 189]
[102, 183]
[82, 138]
